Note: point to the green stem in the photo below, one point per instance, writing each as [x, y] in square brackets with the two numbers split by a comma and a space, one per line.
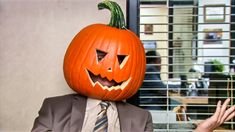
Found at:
[117, 18]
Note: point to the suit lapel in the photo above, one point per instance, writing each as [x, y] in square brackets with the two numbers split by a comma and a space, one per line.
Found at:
[78, 113]
[124, 118]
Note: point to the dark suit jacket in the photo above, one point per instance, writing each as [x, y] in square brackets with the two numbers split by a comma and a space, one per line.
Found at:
[155, 83]
[66, 114]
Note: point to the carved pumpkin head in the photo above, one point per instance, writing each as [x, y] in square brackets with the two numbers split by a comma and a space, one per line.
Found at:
[105, 62]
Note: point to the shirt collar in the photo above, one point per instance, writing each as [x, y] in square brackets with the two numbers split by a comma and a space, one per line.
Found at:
[93, 103]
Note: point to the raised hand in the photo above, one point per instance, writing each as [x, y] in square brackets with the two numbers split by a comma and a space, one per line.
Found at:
[221, 115]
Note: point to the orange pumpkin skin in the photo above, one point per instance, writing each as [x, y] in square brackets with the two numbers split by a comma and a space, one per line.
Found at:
[81, 59]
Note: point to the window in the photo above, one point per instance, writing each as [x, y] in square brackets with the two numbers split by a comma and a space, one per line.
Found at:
[196, 45]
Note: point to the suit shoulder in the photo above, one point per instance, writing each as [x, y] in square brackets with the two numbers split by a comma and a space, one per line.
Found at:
[60, 98]
[61, 101]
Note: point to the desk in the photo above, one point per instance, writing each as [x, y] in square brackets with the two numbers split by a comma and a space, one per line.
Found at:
[185, 100]
[181, 109]
[188, 99]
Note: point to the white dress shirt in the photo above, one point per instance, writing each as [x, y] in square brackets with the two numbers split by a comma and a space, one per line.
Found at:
[92, 110]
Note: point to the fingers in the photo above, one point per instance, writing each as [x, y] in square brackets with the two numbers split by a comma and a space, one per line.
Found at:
[214, 120]
[223, 108]
[226, 114]
[217, 111]
[221, 115]
[229, 114]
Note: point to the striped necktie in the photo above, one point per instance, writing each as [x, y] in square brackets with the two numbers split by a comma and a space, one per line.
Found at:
[101, 124]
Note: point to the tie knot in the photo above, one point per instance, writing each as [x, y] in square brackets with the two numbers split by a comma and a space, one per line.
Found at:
[104, 105]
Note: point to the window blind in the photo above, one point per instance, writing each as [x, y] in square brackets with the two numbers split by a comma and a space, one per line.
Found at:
[195, 43]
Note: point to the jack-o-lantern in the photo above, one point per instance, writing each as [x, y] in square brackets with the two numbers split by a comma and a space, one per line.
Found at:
[105, 62]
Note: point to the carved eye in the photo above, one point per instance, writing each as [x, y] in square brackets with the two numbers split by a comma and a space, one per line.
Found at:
[121, 58]
[100, 55]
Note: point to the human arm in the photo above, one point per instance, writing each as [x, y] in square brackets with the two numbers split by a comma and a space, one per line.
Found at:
[221, 115]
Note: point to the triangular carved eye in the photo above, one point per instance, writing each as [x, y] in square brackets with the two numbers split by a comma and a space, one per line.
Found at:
[100, 55]
[121, 58]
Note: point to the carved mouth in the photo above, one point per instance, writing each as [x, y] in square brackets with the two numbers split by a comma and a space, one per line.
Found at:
[105, 83]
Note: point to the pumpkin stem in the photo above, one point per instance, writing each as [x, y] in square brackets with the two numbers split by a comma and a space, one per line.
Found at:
[117, 18]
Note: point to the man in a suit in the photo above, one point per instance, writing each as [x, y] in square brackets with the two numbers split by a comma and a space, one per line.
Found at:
[153, 58]
[67, 113]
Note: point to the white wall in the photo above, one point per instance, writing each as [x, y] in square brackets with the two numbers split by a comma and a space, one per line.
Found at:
[34, 35]
[161, 45]
[225, 44]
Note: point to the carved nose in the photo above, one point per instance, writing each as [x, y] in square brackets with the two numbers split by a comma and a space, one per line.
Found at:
[109, 69]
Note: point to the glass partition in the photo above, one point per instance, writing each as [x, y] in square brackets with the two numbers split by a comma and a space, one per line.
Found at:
[190, 60]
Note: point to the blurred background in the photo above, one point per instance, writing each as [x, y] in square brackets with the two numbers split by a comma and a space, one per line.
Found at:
[194, 41]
